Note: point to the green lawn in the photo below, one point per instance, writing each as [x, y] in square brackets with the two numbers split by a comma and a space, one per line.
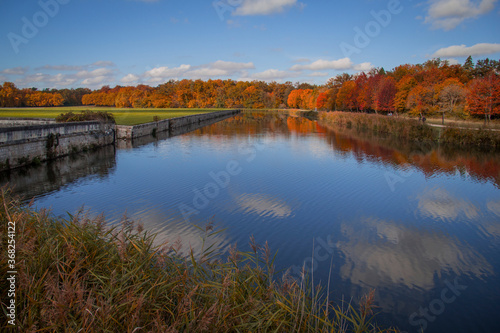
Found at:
[122, 116]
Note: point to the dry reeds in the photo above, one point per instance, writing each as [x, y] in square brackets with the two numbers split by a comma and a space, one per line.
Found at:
[412, 129]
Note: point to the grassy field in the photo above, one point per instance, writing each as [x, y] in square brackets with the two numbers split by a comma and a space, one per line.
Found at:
[122, 116]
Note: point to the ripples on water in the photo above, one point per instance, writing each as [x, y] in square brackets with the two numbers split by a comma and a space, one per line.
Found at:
[404, 219]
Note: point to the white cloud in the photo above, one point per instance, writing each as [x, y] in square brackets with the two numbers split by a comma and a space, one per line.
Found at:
[15, 71]
[96, 81]
[129, 78]
[53, 81]
[319, 65]
[452, 61]
[363, 67]
[99, 72]
[102, 63]
[78, 67]
[464, 51]
[263, 7]
[448, 14]
[301, 60]
[215, 69]
[231, 66]
[271, 75]
[318, 74]
[206, 73]
[165, 72]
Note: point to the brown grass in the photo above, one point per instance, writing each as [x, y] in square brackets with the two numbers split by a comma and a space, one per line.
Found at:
[411, 129]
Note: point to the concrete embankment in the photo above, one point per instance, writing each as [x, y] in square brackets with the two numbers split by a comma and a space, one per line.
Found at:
[32, 144]
[25, 141]
[137, 131]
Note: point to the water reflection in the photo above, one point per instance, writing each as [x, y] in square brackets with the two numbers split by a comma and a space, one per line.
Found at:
[441, 223]
[380, 254]
[173, 231]
[494, 206]
[263, 205]
[429, 158]
[160, 136]
[440, 204]
[51, 176]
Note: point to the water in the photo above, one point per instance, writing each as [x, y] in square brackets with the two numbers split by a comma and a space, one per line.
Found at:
[419, 224]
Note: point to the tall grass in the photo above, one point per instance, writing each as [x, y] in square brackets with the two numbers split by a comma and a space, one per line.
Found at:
[471, 137]
[398, 127]
[411, 129]
[76, 275]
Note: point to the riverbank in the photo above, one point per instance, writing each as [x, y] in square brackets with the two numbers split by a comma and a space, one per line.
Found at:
[412, 129]
[76, 274]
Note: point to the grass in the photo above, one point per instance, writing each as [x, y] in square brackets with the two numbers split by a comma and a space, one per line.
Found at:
[407, 129]
[413, 130]
[469, 123]
[77, 275]
[123, 116]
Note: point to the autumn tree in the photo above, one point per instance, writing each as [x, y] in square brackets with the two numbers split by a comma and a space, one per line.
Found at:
[451, 97]
[10, 96]
[347, 96]
[404, 86]
[294, 98]
[321, 102]
[384, 97]
[484, 96]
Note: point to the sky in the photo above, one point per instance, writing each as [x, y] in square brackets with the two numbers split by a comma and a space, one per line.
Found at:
[91, 43]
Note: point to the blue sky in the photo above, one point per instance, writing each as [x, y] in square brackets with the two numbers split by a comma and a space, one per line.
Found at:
[91, 43]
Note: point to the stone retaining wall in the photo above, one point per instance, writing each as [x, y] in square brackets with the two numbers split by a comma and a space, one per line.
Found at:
[137, 131]
[25, 145]
[31, 141]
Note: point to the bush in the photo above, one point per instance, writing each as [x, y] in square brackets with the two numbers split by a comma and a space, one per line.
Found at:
[86, 115]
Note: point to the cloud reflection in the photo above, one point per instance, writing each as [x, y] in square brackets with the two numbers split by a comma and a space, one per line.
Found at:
[440, 204]
[172, 230]
[494, 206]
[263, 205]
[382, 253]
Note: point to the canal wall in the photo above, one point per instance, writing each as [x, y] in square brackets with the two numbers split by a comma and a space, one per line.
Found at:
[147, 139]
[23, 145]
[25, 141]
[170, 125]
[12, 122]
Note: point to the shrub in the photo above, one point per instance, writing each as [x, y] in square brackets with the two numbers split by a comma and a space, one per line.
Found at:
[86, 115]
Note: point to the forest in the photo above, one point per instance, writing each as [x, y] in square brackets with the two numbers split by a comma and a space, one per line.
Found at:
[435, 87]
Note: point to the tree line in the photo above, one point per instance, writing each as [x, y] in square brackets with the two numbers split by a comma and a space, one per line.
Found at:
[434, 87]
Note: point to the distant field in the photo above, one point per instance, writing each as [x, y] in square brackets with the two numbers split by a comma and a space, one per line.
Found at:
[122, 116]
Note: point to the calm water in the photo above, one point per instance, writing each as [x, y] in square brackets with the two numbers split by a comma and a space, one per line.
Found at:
[419, 224]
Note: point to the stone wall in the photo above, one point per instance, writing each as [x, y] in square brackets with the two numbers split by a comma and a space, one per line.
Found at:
[31, 141]
[137, 131]
[25, 145]
[11, 122]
